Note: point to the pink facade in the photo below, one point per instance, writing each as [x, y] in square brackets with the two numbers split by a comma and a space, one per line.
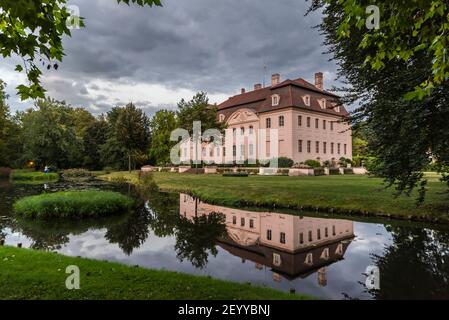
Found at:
[291, 246]
[308, 121]
[281, 231]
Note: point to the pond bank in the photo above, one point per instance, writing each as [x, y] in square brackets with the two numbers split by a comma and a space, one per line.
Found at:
[30, 274]
[348, 195]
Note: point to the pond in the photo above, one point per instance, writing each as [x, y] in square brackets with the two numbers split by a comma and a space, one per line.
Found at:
[327, 257]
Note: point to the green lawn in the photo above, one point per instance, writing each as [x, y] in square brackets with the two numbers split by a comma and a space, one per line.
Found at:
[340, 194]
[26, 175]
[28, 274]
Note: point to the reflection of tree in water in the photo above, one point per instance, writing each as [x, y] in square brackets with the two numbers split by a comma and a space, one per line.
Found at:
[131, 233]
[135, 230]
[415, 266]
[52, 235]
[197, 237]
[164, 213]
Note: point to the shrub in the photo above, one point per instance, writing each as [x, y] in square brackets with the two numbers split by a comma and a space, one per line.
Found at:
[318, 171]
[77, 174]
[373, 165]
[251, 163]
[108, 170]
[283, 162]
[249, 170]
[348, 171]
[5, 172]
[146, 180]
[312, 163]
[334, 171]
[34, 176]
[119, 179]
[73, 204]
[235, 174]
[344, 161]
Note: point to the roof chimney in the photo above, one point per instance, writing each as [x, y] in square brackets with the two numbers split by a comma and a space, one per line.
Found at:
[243, 90]
[319, 80]
[257, 86]
[275, 79]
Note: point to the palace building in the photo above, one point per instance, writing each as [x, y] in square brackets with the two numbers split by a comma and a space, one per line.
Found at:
[292, 246]
[310, 124]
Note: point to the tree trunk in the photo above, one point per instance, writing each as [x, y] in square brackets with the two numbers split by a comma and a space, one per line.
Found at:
[129, 162]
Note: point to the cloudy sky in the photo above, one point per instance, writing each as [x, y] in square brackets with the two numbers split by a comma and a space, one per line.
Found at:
[156, 56]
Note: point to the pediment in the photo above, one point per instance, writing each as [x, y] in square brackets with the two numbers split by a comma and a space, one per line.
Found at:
[242, 237]
[242, 116]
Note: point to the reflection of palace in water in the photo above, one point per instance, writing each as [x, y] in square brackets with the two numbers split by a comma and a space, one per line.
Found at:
[292, 246]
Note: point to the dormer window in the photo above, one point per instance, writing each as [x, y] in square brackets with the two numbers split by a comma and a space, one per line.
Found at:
[335, 107]
[221, 117]
[323, 103]
[309, 259]
[325, 254]
[307, 100]
[275, 99]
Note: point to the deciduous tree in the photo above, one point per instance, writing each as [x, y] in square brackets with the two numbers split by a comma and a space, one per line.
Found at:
[128, 136]
[397, 75]
[161, 126]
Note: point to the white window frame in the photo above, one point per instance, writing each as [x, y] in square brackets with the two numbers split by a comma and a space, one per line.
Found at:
[323, 103]
[306, 100]
[275, 100]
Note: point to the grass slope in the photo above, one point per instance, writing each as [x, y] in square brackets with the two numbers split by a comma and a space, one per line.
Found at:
[72, 204]
[339, 194]
[28, 274]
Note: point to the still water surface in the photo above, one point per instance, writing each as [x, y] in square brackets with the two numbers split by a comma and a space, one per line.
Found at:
[325, 257]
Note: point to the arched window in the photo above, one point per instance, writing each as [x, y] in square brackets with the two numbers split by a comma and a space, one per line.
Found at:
[268, 123]
[251, 129]
[281, 121]
[221, 117]
[242, 130]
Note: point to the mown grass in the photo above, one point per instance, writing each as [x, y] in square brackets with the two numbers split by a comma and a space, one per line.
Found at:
[351, 194]
[28, 274]
[73, 204]
[25, 175]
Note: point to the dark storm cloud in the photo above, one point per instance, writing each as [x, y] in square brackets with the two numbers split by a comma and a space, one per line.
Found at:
[214, 46]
